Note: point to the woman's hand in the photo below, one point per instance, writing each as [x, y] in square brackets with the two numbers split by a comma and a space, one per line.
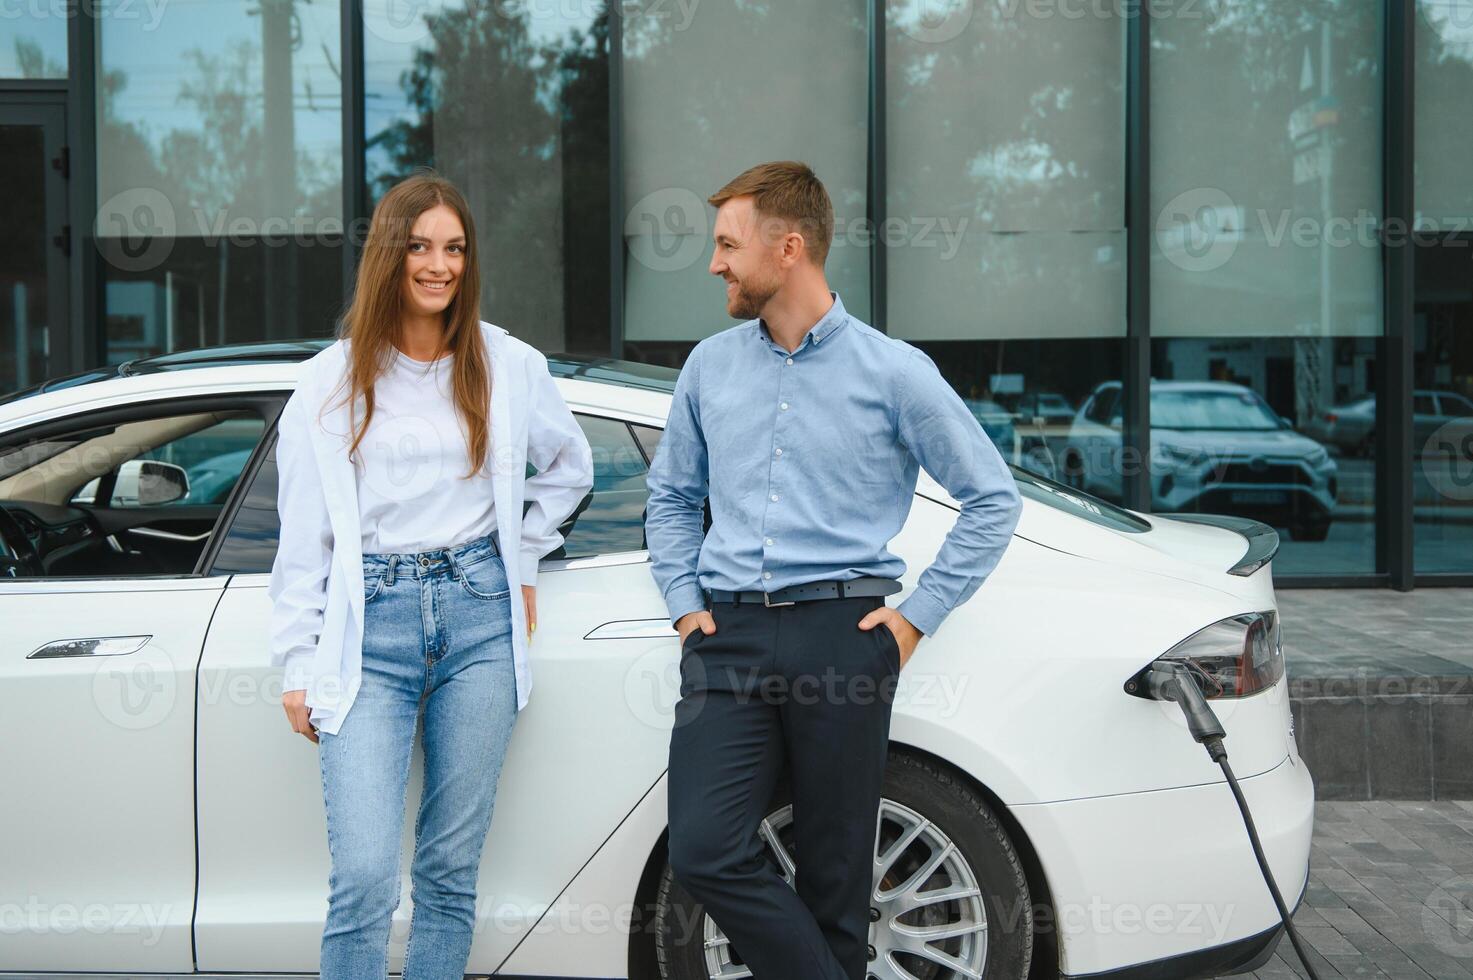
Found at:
[297, 712]
[529, 599]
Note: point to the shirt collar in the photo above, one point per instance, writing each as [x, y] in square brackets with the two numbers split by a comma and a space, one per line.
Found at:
[835, 318]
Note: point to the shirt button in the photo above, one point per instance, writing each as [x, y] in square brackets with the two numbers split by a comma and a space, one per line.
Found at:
[767, 540]
[767, 575]
[785, 406]
[778, 452]
[774, 496]
[790, 360]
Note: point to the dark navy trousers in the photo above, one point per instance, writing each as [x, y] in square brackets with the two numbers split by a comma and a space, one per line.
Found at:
[799, 689]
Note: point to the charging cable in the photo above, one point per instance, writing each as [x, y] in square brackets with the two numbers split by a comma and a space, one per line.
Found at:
[1167, 681]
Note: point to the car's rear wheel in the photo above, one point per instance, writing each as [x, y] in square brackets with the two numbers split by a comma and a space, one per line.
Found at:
[950, 891]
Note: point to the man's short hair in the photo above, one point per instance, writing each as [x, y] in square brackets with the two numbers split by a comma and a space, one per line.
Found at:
[787, 189]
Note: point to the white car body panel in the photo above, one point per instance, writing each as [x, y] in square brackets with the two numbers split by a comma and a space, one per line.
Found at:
[581, 802]
[98, 776]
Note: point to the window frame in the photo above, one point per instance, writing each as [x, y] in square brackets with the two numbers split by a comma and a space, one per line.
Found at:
[267, 402]
[252, 468]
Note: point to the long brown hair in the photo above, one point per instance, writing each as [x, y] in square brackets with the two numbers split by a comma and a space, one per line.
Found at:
[373, 318]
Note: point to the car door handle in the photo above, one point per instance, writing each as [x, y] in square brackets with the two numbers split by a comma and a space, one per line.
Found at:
[633, 629]
[153, 532]
[92, 646]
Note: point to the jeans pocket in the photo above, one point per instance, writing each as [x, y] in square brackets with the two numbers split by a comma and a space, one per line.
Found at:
[373, 584]
[485, 579]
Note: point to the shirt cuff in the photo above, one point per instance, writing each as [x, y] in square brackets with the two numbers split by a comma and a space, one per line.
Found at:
[296, 673]
[924, 611]
[527, 568]
[685, 599]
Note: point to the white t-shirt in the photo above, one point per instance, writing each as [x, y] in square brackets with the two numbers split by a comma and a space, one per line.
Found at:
[410, 465]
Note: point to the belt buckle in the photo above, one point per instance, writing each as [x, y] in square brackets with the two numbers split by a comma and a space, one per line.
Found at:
[767, 601]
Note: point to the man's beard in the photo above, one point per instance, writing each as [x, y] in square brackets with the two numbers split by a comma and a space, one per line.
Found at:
[747, 302]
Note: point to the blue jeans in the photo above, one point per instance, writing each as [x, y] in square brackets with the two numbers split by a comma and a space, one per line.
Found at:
[437, 633]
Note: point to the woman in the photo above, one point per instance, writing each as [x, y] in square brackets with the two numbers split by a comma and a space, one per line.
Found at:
[403, 541]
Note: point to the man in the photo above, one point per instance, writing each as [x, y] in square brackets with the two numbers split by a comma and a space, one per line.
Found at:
[808, 427]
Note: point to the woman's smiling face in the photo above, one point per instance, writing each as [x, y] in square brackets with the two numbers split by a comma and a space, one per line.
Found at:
[433, 261]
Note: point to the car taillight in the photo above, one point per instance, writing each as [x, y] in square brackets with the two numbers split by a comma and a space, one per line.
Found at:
[1232, 658]
[1331, 417]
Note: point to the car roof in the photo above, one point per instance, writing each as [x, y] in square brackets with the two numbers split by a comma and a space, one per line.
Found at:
[604, 382]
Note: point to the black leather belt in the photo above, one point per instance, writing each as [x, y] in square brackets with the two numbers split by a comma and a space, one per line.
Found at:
[826, 589]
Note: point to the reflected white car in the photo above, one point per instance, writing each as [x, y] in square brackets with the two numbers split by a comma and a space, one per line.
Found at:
[162, 818]
[1216, 447]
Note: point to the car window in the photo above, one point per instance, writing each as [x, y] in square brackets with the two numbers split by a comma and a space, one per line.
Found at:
[610, 520]
[1455, 405]
[613, 520]
[1422, 405]
[1102, 409]
[118, 493]
[649, 439]
[249, 545]
[208, 463]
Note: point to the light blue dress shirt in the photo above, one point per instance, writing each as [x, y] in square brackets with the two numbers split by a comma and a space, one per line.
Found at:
[811, 461]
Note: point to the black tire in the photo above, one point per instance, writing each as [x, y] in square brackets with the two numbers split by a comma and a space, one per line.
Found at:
[959, 812]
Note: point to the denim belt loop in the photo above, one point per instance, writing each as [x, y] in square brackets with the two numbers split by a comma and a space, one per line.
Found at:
[389, 577]
[455, 565]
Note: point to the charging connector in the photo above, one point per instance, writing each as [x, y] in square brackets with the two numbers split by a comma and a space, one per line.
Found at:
[1174, 681]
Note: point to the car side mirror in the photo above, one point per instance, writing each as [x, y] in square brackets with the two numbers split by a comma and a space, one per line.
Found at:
[161, 483]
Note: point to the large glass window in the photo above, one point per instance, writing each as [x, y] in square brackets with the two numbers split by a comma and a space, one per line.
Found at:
[708, 93]
[33, 39]
[1442, 411]
[220, 195]
[1005, 226]
[1266, 270]
[509, 101]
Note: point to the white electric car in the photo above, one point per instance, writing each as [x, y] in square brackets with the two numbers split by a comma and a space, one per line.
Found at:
[160, 817]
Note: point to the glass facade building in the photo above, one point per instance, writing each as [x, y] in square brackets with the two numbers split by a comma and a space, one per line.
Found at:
[1206, 255]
